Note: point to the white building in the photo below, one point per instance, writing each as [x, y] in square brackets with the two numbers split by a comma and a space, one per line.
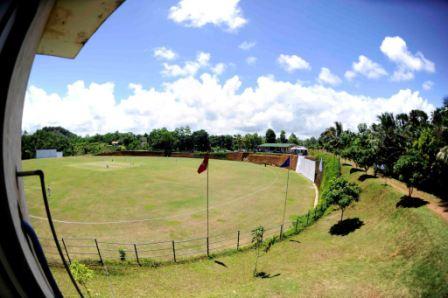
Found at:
[48, 153]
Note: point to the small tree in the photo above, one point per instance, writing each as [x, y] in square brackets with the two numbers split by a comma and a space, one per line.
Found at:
[410, 169]
[82, 274]
[257, 240]
[122, 253]
[341, 193]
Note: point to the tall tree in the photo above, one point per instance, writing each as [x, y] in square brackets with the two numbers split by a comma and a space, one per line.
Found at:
[201, 141]
[283, 138]
[270, 136]
[162, 139]
[293, 139]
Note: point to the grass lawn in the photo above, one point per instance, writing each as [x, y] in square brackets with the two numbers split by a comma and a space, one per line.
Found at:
[155, 198]
[396, 252]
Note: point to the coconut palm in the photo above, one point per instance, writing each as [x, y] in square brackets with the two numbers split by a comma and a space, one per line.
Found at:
[442, 155]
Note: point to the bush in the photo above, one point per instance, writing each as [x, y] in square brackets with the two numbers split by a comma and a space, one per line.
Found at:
[122, 253]
[81, 273]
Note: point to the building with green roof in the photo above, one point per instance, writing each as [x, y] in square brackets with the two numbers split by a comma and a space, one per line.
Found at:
[276, 147]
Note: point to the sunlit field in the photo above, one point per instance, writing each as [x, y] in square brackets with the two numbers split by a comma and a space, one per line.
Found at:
[150, 199]
[396, 252]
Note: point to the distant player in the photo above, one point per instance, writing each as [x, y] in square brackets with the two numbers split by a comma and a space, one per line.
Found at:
[49, 191]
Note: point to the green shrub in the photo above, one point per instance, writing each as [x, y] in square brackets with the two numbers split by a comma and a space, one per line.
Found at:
[122, 253]
[81, 273]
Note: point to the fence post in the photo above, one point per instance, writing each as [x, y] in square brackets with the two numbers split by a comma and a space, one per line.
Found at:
[281, 232]
[208, 247]
[66, 251]
[308, 217]
[238, 241]
[174, 251]
[297, 224]
[99, 253]
[136, 254]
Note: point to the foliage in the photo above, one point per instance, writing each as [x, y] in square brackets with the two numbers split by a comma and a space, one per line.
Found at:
[341, 193]
[293, 139]
[122, 253]
[442, 155]
[162, 139]
[270, 136]
[410, 169]
[283, 138]
[394, 139]
[181, 139]
[257, 241]
[200, 140]
[81, 273]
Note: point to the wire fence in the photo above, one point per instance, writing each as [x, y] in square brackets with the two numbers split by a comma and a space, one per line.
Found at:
[96, 250]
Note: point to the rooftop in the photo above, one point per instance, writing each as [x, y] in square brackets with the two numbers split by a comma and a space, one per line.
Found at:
[277, 145]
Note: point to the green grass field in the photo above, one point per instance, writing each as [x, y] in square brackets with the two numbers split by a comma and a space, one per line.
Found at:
[143, 199]
[397, 252]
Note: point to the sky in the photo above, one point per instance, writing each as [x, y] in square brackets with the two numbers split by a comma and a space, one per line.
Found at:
[239, 66]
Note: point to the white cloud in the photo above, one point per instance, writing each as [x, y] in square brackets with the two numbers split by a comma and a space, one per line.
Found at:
[290, 63]
[428, 85]
[164, 53]
[326, 77]
[198, 13]
[219, 68]
[251, 60]
[247, 45]
[206, 102]
[395, 48]
[190, 68]
[366, 67]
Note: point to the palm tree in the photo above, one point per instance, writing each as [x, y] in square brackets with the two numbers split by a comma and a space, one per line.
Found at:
[442, 155]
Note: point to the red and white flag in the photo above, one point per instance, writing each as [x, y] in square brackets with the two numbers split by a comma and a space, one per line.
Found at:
[203, 166]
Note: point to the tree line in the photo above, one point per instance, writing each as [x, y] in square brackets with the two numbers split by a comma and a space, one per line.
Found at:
[181, 139]
[411, 147]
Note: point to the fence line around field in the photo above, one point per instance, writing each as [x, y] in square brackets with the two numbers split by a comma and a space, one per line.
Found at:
[153, 252]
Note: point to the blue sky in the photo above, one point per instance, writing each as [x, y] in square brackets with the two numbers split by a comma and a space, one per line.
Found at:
[403, 66]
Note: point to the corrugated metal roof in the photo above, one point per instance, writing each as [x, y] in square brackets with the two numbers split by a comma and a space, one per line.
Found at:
[277, 145]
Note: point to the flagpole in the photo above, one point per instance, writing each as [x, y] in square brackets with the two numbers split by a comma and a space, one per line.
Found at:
[208, 229]
[286, 197]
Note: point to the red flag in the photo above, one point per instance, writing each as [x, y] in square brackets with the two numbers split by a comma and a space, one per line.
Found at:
[203, 165]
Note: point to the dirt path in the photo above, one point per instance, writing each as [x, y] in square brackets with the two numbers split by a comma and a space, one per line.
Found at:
[434, 203]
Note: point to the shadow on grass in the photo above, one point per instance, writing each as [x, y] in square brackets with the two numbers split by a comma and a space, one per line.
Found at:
[293, 240]
[346, 226]
[220, 263]
[265, 275]
[444, 205]
[354, 170]
[410, 202]
[364, 177]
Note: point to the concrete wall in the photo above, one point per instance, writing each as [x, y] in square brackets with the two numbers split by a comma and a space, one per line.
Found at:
[306, 167]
